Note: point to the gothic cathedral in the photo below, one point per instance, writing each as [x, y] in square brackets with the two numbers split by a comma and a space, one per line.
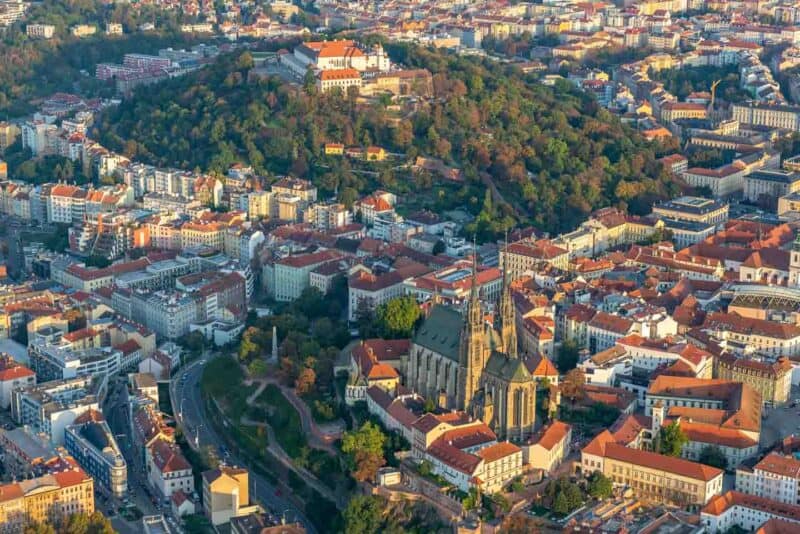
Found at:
[465, 363]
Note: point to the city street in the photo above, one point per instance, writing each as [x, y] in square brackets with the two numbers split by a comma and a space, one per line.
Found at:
[189, 412]
[116, 412]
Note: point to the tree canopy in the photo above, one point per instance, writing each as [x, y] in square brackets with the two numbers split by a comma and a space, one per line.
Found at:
[364, 450]
[80, 523]
[600, 486]
[567, 357]
[549, 156]
[671, 440]
[396, 318]
[34, 68]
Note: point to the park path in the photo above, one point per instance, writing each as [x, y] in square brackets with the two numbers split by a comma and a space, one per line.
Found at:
[318, 439]
[279, 454]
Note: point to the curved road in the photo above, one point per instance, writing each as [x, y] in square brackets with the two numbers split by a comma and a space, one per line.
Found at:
[190, 414]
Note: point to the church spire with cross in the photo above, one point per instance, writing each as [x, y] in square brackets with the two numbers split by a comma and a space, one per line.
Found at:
[506, 324]
[471, 346]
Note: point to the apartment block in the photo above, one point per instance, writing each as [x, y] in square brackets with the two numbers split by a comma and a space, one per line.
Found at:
[226, 495]
[771, 378]
[13, 375]
[50, 407]
[775, 477]
[91, 442]
[47, 499]
[167, 469]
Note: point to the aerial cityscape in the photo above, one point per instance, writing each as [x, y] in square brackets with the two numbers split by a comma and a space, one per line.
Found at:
[366, 267]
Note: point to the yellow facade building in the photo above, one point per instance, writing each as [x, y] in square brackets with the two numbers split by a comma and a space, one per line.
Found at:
[772, 379]
[46, 499]
[226, 495]
[652, 477]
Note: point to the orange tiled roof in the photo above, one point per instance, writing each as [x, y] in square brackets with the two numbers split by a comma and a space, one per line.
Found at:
[495, 452]
[661, 462]
[551, 435]
[780, 465]
[719, 504]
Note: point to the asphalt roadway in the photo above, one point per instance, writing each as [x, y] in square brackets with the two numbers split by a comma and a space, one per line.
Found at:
[190, 415]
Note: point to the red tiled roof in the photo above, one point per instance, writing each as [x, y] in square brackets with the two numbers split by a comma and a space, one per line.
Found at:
[669, 464]
[720, 504]
[454, 457]
[726, 437]
[498, 451]
[77, 335]
[469, 436]
[339, 74]
[627, 427]
[780, 465]
[14, 371]
[369, 282]
[167, 457]
[597, 447]
[540, 365]
[128, 346]
[611, 323]
[10, 492]
[541, 249]
[778, 526]
[72, 477]
[89, 415]
[551, 435]
[307, 260]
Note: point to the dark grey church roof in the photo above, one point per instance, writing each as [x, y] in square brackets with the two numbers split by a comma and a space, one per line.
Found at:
[441, 332]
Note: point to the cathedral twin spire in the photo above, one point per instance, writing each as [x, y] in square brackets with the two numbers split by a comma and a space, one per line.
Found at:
[505, 324]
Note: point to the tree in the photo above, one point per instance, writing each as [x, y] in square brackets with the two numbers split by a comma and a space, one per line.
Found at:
[310, 82]
[257, 367]
[305, 381]
[572, 386]
[209, 457]
[39, 528]
[397, 317]
[100, 524]
[363, 515]
[76, 524]
[197, 524]
[567, 357]
[671, 440]
[561, 504]
[472, 500]
[364, 450]
[600, 486]
[193, 342]
[713, 456]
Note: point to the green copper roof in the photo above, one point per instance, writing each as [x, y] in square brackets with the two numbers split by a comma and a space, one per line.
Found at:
[509, 369]
[440, 332]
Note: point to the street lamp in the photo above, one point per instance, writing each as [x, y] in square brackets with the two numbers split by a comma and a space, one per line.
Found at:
[283, 516]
